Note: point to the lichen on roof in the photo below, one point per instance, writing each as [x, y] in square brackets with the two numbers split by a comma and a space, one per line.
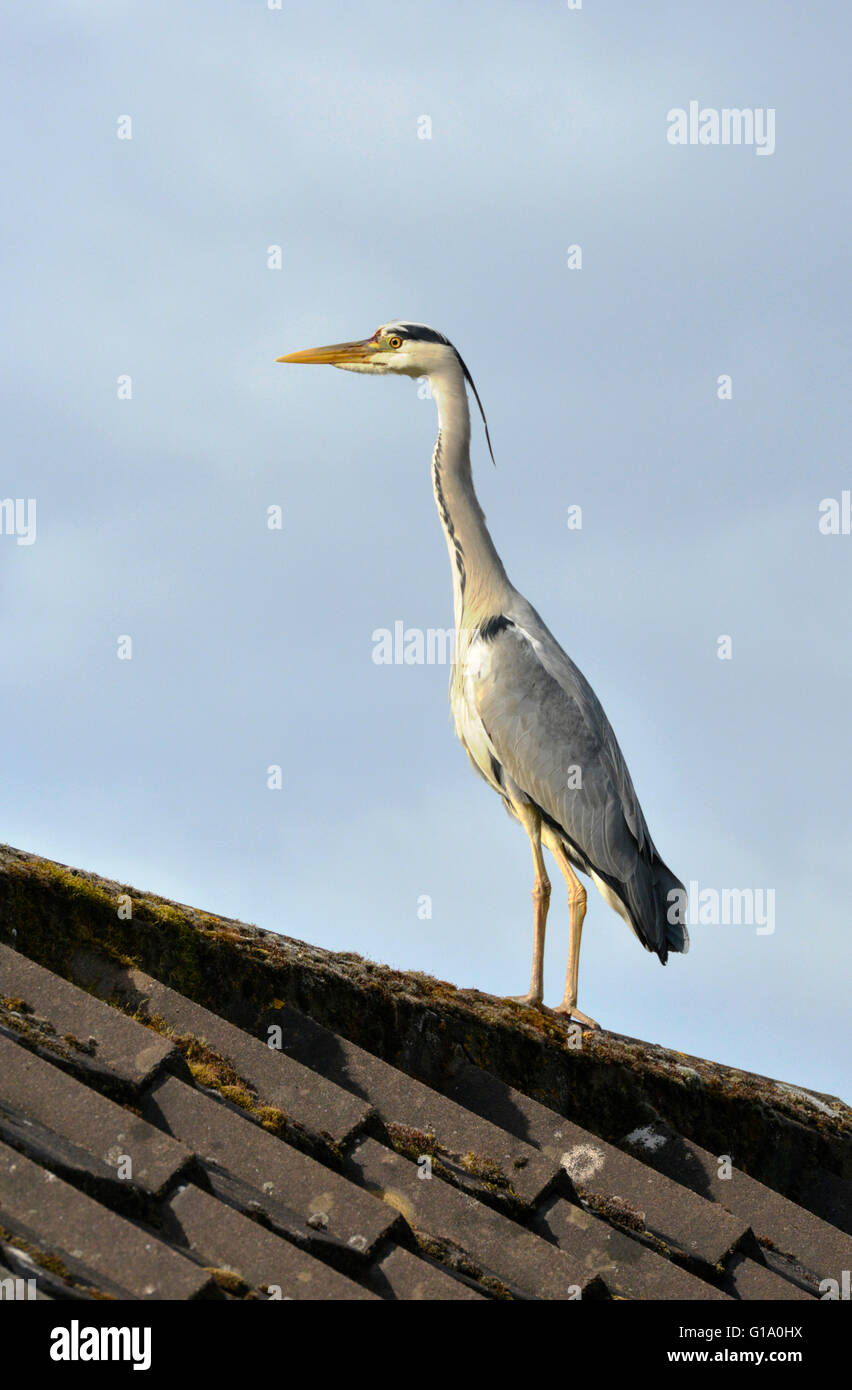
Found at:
[76, 924]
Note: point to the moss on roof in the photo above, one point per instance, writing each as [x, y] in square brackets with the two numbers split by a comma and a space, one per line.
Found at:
[77, 924]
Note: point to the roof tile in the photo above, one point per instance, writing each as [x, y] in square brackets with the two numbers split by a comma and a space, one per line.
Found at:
[403, 1276]
[103, 1040]
[482, 1155]
[614, 1183]
[99, 1248]
[628, 1268]
[746, 1279]
[326, 1112]
[774, 1219]
[67, 1126]
[482, 1239]
[221, 1237]
[314, 1204]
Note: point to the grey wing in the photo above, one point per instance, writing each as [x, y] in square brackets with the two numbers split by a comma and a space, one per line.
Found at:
[547, 726]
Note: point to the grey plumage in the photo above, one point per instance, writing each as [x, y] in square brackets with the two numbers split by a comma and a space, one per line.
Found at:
[549, 731]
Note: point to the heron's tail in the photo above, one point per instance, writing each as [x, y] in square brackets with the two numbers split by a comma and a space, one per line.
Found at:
[670, 904]
[652, 902]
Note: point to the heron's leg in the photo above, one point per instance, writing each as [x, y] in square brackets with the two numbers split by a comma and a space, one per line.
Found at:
[577, 908]
[531, 821]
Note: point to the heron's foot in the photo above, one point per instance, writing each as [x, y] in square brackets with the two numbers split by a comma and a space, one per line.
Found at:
[566, 1010]
[533, 1001]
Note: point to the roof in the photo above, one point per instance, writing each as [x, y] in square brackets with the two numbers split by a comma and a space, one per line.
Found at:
[191, 1107]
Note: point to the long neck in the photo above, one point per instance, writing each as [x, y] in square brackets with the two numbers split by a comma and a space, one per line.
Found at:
[480, 584]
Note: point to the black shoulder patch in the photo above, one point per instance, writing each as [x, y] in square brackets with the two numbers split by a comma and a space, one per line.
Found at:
[490, 628]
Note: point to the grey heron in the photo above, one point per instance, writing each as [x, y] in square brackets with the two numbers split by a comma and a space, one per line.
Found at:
[527, 717]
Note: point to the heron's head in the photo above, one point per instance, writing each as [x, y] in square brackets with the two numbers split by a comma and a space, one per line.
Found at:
[409, 349]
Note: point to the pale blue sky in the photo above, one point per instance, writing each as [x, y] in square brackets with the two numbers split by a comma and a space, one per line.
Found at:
[298, 127]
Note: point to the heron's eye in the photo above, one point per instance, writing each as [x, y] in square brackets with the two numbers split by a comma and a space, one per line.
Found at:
[394, 342]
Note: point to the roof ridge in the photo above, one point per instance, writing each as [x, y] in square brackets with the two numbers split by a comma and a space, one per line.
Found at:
[265, 1062]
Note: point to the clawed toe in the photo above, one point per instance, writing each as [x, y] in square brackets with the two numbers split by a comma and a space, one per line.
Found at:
[532, 1001]
[568, 1012]
[572, 1012]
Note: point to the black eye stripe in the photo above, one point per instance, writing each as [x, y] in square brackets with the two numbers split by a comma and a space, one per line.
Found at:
[417, 333]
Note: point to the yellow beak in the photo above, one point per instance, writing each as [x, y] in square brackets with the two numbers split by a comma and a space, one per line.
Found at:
[336, 355]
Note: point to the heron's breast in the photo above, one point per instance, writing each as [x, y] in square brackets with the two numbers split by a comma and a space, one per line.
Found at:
[471, 669]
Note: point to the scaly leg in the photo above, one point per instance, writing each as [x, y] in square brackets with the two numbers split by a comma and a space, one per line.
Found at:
[577, 907]
[531, 821]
